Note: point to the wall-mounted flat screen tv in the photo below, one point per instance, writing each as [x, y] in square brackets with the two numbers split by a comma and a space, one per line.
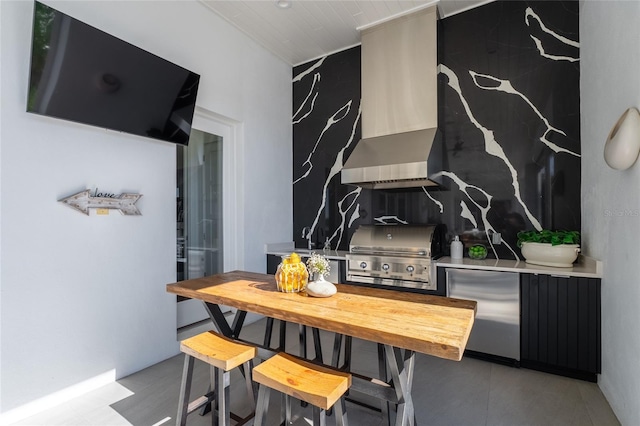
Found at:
[82, 74]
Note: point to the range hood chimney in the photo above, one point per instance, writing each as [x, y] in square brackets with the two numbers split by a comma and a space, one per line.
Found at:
[399, 105]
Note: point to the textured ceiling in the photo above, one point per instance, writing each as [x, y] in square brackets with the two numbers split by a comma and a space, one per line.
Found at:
[309, 29]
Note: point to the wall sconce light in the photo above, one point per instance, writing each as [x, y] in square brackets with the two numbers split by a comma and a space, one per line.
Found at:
[622, 147]
[283, 4]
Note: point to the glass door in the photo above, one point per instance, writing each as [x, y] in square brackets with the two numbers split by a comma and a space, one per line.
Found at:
[199, 201]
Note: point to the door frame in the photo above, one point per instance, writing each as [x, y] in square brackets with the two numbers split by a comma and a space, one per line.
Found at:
[232, 133]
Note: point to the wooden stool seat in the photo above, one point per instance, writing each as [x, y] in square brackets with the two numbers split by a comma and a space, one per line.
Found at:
[217, 350]
[318, 385]
[223, 355]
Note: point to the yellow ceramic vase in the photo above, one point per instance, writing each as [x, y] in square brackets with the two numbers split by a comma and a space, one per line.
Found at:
[292, 274]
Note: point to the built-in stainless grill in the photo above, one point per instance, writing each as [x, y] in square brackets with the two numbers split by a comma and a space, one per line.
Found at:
[395, 255]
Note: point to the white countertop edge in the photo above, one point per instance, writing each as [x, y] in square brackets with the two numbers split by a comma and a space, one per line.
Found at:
[585, 266]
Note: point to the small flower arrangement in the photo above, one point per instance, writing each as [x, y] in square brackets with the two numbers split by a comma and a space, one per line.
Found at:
[318, 264]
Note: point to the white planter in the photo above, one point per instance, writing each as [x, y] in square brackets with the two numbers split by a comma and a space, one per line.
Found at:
[560, 256]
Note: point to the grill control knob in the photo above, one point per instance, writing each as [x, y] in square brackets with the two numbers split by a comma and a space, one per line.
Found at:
[410, 269]
[363, 265]
[385, 266]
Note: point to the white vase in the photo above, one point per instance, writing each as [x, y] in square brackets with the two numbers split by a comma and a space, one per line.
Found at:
[321, 288]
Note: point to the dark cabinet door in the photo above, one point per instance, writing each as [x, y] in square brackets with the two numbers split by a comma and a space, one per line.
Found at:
[272, 263]
[560, 325]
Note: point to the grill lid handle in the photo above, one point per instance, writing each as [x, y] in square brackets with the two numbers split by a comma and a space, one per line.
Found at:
[363, 250]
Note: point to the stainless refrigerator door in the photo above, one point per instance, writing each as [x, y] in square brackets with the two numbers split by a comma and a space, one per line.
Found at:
[496, 329]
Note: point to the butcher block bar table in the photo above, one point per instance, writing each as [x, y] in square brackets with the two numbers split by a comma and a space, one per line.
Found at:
[432, 325]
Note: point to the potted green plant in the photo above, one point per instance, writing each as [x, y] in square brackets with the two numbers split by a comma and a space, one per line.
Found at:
[550, 248]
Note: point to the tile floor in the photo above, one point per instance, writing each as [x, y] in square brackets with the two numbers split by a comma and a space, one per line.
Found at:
[470, 392]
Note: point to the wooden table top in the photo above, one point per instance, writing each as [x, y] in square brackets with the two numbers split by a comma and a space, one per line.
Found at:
[433, 325]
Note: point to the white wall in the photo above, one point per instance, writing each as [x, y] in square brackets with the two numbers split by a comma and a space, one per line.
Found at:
[610, 83]
[83, 298]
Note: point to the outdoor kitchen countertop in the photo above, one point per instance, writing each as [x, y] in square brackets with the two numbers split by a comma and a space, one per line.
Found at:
[584, 267]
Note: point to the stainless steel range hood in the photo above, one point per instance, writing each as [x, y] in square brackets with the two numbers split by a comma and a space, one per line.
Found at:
[399, 105]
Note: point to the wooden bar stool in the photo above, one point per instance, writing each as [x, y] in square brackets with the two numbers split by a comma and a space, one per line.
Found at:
[318, 385]
[223, 355]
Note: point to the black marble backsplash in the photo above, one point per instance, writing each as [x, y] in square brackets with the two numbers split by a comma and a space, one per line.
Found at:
[509, 119]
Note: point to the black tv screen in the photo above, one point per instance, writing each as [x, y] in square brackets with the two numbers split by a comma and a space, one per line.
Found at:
[82, 74]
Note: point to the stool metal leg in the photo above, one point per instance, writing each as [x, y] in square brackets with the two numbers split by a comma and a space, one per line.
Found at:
[215, 388]
[251, 388]
[341, 413]
[319, 417]
[222, 379]
[262, 406]
[287, 409]
[185, 391]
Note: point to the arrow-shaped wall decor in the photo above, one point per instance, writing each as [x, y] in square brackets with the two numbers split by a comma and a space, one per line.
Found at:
[83, 201]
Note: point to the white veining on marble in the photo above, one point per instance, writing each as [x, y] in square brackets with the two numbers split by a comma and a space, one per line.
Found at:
[491, 145]
[316, 79]
[506, 87]
[309, 70]
[335, 170]
[438, 203]
[544, 54]
[529, 13]
[336, 117]
[384, 220]
[462, 185]
[354, 216]
[339, 232]
[466, 214]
